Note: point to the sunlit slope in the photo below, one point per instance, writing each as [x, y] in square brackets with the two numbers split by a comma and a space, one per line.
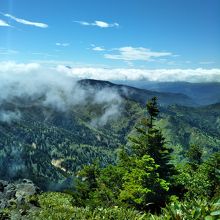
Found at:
[186, 126]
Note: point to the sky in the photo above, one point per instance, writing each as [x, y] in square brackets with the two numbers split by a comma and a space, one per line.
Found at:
[108, 39]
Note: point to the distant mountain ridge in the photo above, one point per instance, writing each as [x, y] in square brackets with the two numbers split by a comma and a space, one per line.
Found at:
[140, 95]
[204, 93]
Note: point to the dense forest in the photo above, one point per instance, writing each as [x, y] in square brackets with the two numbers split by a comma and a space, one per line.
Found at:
[163, 169]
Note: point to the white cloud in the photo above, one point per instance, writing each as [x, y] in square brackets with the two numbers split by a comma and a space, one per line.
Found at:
[189, 75]
[18, 68]
[135, 53]
[83, 23]
[98, 49]
[57, 89]
[57, 86]
[101, 24]
[25, 22]
[161, 75]
[62, 44]
[4, 24]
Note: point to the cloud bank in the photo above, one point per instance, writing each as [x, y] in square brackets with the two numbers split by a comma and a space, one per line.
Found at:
[101, 24]
[26, 22]
[57, 87]
[160, 75]
[12, 70]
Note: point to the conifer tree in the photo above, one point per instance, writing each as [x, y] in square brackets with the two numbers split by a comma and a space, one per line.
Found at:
[149, 172]
[150, 141]
[86, 183]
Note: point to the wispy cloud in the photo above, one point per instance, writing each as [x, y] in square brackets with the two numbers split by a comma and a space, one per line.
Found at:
[101, 24]
[4, 24]
[98, 49]
[62, 44]
[135, 53]
[26, 22]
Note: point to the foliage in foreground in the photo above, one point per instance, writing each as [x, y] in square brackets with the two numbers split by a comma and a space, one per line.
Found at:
[192, 210]
[56, 206]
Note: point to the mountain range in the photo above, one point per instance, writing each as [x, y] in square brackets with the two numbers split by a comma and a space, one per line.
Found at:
[48, 145]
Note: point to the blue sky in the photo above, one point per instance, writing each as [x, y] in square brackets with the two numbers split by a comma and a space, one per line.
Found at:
[143, 34]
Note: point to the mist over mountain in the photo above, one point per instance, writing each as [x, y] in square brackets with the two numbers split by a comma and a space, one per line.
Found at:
[140, 95]
[49, 88]
[37, 85]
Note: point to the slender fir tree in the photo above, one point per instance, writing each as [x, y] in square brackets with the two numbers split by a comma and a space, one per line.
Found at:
[150, 141]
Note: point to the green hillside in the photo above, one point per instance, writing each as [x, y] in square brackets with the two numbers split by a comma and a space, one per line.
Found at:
[51, 147]
[147, 181]
[48, 145]
[185, 126]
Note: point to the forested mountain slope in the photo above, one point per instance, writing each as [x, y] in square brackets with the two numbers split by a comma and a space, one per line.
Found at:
[47, 145]
[185, 126]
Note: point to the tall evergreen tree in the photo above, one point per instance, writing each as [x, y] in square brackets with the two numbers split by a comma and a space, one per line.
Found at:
[86, 184]
[148, 176]
[150, 141]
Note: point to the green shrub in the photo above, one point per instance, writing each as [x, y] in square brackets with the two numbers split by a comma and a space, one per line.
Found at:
[57, 206]
[192, 210]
